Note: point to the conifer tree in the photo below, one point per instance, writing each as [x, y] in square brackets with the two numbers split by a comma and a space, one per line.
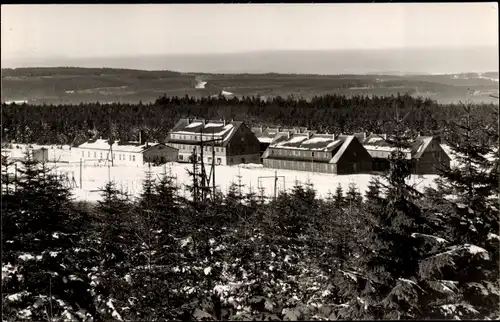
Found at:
[338, 198]
[383, 280]
[353, 196]
[465, 199]
[45, 235]
[373, 194]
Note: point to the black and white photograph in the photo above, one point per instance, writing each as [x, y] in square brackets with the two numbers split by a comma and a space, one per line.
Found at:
[250, 162]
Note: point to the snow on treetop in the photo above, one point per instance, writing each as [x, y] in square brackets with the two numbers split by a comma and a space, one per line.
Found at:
[17, 296]
[438, 239]
[493, 236]
[475, 249]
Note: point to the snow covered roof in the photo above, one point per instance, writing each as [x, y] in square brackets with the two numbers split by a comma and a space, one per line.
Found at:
[379, 142]
[316, 142]
[218, 129]
[420, 145]
[118, 146]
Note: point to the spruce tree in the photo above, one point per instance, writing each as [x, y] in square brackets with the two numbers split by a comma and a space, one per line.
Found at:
[338, 198]
[465, 199]
[353, 196]
[373, 194]
[45, 235]
[383, 280]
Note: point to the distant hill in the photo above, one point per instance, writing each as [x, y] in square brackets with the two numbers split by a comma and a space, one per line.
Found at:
[55, 85]
[401, 61]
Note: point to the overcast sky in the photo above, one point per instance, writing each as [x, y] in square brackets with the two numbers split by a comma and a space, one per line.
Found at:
[116, 30]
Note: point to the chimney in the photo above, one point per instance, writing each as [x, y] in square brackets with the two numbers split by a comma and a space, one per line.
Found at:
[385, 136]
[333, 136]
[224, 122]
[203, 121]
[288, 134]
[308, 135]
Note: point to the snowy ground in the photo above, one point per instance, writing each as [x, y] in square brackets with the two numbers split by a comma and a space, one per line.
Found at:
[130, 178]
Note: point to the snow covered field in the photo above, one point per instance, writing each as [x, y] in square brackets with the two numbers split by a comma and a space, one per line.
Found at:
[130, 178]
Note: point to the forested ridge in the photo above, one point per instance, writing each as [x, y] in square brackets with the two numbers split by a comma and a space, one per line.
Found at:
[394, 254]
[74, 124]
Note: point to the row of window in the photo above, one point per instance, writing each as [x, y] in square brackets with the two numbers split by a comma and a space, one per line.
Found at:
[217, 160]
[301, 153]
[191, 137]
[190, 147]
[101, 155]
[303, 166]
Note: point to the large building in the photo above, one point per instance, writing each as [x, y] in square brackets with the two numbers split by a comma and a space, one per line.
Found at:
[232, 142]
[318, 153]
[127, 153]
[267, 135]
[426, 153]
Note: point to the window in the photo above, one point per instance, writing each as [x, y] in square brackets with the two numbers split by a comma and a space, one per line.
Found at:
[114, 156]
[130, 157]
[219, 160]
[95, 154]
[133, 158]
[209, 159]
[216, 149]
[88, 154]
[181, 157]
[101, 155]
[83, 154]
[242, 139]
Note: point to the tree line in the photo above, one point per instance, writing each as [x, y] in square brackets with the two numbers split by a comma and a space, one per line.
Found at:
[392, 253]
[74, 124]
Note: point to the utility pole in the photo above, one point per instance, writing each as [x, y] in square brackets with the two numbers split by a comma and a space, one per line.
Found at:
[15, 177]
[498, 125]
[212, 171]
[275, 183]
[81, 167]
[275, 177]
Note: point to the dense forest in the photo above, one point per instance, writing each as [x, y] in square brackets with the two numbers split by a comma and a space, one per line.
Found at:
[394, 253]
[74, 124]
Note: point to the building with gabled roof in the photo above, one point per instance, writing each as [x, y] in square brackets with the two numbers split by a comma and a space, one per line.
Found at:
[267, 135]
[426, 153]
[232, 142]
[126, 153]
[318, 153]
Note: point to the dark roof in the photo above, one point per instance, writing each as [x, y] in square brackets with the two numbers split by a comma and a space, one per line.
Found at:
[158, 144]
[129, 143]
